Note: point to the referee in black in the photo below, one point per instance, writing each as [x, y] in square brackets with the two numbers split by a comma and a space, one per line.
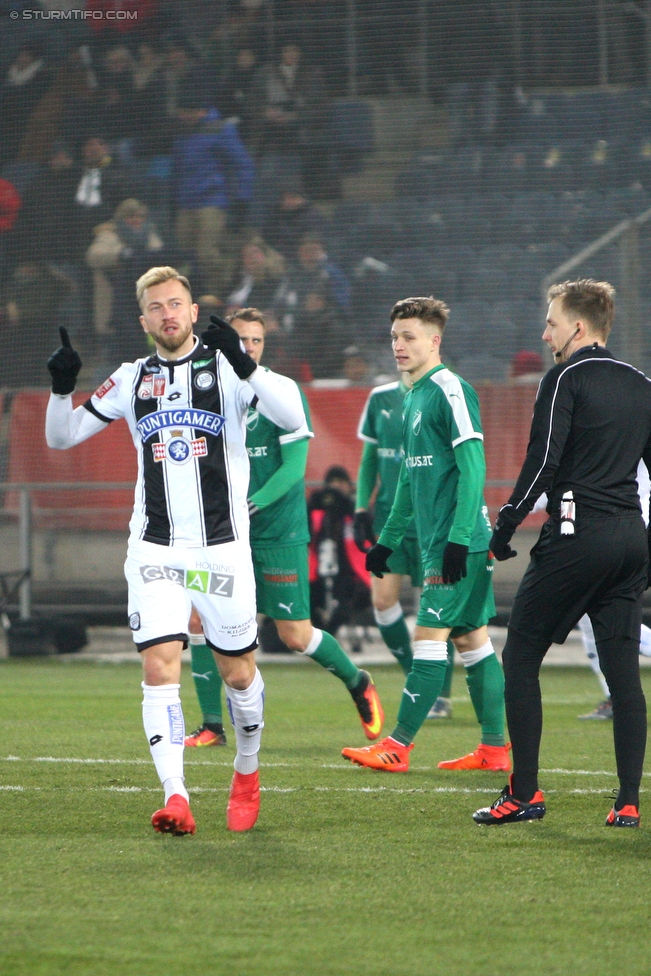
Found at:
[591, 425]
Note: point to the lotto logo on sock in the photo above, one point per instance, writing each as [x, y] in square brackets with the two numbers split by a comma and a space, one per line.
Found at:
[177, 727]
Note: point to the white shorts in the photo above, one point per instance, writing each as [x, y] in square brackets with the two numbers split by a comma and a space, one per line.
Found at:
[165, 582]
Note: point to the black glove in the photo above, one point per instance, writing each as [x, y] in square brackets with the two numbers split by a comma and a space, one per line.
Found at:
[376, 560]
[220, 335]
[454, 562]
[502, 535]
[363, 531]
[64, 365]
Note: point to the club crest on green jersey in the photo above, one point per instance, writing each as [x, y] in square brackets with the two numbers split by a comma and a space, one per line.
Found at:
[416, 422]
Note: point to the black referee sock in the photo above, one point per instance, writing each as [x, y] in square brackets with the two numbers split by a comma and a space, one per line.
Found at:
[620, 664]
[521, 661]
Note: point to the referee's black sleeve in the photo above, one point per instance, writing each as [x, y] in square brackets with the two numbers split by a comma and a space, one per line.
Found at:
[550, 428]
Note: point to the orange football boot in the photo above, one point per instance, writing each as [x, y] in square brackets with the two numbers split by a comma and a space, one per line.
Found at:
[205, 736]
[175, 817]
[368, 704]
[492, 758]
[243, 801]
[389, 755]
[628, 816]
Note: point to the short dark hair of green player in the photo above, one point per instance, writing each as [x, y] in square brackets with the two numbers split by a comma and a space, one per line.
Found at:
[430, 311]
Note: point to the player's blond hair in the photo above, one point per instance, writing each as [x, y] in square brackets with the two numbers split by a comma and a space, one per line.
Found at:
[248, 315]
[430, 311]
[593, 301]
[156, 276]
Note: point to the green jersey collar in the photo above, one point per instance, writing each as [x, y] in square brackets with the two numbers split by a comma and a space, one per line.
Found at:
[427, 375]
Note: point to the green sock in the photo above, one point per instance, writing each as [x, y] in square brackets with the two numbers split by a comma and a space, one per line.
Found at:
[396, 637]
[331, 656]
[422, 688]
[449, 672]
[207, 681]
[486, 686]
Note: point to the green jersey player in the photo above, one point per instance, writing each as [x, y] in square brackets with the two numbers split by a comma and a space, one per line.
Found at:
[279, 536]
[380, 428]
[441, 486]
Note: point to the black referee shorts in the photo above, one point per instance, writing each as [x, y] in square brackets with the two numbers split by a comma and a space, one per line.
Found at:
[601, 570]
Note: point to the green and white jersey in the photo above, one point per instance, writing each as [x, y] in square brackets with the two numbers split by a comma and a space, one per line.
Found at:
[442, 478]
[381, 424]
[284, 521]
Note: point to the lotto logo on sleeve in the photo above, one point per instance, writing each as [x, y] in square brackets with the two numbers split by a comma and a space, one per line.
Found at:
[102, 390]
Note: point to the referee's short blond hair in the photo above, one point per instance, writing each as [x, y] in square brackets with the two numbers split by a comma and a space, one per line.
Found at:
[156, 276]
[593, 301]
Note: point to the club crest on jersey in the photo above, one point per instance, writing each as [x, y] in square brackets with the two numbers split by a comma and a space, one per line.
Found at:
[204, 380]
[416, 422]
[151, 386]
[252, 419]
[102, 390]
[180, 449]
[205, 420]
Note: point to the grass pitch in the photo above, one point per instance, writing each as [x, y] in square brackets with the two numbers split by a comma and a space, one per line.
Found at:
[347, 872]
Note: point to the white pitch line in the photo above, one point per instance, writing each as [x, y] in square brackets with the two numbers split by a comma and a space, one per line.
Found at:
[421, 791]
[280, 765]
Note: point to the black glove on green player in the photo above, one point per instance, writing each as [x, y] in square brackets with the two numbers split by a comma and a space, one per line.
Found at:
[376, 560]
[455, 557]
[220, 335]
[363, 531]
[64, 365]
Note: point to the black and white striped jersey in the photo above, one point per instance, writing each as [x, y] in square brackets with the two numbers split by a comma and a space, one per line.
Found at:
[188, 423]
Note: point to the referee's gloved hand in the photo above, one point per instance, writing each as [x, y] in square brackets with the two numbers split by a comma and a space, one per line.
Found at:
[376, 560]
[220, 335]
[363, 531]
[64, 365]
[502, 535]
[455, 557]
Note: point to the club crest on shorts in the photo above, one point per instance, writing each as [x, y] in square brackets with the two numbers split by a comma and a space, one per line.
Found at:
[204, 380]
[134, 621]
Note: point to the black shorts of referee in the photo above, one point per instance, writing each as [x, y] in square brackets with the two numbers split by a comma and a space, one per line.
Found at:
[601, 570]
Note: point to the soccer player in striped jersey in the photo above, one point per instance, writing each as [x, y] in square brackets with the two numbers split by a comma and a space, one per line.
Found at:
[279, 538]
[186, 408]
[441, 485]
[380, 427]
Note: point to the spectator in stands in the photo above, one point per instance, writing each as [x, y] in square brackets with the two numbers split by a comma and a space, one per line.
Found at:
[35, 293]
[234, 95]
[259, 278]
[26, 82]
[292, 218]
[117, 105]
[101, 185]
[187, 80]
[357, 369]
[339, 582]
[122, 250]
[527, 367]
[213, 173]
[292, 105]
[10, 203]
[314, 272]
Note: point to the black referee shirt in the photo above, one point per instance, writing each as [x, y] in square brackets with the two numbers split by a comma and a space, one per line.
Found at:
[591, 425]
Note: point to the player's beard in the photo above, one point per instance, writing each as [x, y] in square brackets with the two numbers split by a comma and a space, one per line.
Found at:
[173, 342]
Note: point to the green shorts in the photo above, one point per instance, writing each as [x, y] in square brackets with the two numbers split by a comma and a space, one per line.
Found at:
[282, 582]
[463, 606]
[405, 560]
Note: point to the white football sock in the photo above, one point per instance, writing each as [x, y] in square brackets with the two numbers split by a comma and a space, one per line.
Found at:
[162, 717]
[246, 711]
[587, 634]
[474, 657]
